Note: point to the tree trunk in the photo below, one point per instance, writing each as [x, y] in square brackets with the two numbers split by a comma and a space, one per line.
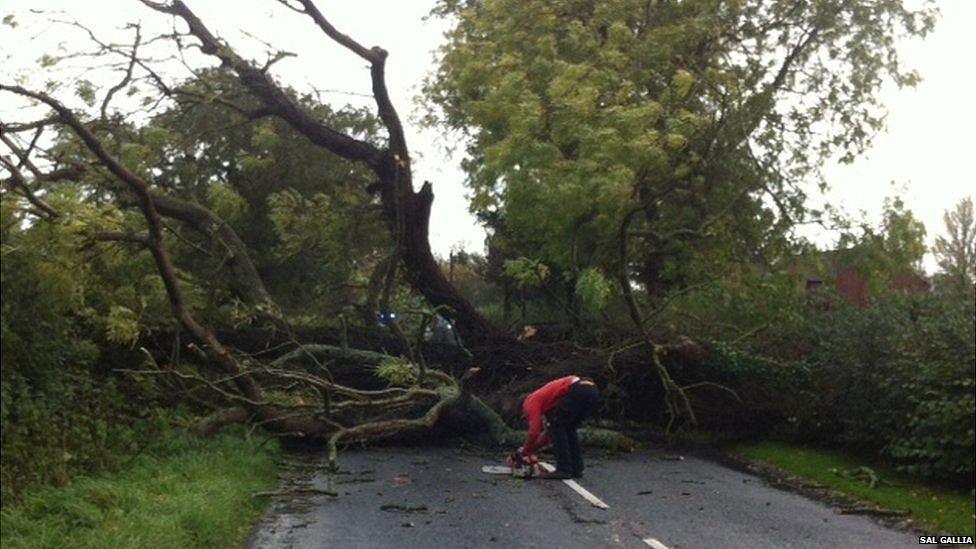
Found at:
[422, 270]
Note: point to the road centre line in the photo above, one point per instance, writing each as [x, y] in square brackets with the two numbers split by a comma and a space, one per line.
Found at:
[595, 501]
[587, 495]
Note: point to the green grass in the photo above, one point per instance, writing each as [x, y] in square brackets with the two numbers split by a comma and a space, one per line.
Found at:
[943, 511]
[187, 493]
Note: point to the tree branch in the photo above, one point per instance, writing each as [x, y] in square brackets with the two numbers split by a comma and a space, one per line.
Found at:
[17, 181]
[26, 126]
[264, 88]
[119, 236]
[377, 59]
[133, 57]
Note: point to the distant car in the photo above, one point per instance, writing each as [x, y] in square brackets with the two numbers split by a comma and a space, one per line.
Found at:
[385, 318]
[443, 333]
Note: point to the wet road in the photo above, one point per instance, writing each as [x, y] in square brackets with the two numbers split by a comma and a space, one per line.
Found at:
[438, 498]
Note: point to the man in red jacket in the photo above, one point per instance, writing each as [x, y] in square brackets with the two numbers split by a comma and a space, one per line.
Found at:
[565, 403]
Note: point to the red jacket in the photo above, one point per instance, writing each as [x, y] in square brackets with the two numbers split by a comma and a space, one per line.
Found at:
[540, 403]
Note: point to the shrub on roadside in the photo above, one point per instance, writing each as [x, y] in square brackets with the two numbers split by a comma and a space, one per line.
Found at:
[894, 378]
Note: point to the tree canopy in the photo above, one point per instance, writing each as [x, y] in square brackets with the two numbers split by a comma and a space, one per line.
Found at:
[703, 116]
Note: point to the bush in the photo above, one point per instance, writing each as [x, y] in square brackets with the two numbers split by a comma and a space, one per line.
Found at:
[897, 378]
[50, 432]
[894, 378]
[769, 389]
[62, 409]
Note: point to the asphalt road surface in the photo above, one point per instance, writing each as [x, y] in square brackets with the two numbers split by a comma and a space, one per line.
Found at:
[439, 498]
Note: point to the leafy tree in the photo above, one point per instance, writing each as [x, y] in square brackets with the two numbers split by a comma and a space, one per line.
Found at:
[308, 226]
[956, 251]
[682, 128]
[893, 249]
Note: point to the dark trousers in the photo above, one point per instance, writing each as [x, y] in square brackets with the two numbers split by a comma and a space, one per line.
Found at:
[576, 406]
[565, 444]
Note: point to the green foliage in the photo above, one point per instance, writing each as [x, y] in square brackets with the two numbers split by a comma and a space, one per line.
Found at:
[62, 410]
[897, 377]
[593, 289]
[85, 90]
[579, 112]
[312, 231]
[894, 378]
[935, 375]
[527, 272]
[227, 203]
[891, 375]
[301, 224]
[893, 249]
[767, 385]
[180, 492]
[53, 430]
[396, 371]
[123, 326]
[303, 213]
[956, 251]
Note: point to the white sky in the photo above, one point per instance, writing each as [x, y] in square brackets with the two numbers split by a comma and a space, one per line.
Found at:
[927, 151]
[927, 154]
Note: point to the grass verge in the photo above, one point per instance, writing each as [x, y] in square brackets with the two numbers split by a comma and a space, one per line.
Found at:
[943, 511]
[185, 493]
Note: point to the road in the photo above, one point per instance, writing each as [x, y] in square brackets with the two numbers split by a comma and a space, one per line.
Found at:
[438, 498]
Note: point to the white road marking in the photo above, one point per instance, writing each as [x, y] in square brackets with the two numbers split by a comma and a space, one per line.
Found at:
[587, 495]
[652, 542]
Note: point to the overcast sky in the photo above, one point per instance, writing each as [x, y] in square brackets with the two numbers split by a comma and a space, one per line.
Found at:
[926, 156]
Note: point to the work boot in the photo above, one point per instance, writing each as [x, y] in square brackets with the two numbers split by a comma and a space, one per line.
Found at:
[556, 475]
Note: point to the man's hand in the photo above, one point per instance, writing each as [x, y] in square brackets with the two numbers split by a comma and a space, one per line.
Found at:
[519, 458]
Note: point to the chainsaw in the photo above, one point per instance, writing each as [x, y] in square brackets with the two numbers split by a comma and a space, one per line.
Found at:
[522, 465]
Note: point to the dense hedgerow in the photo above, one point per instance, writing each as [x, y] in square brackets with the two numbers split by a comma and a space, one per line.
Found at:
[894, 378]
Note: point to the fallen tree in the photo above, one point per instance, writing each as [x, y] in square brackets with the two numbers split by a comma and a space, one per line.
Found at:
[316, 405]
[308, 403]
[288, 402]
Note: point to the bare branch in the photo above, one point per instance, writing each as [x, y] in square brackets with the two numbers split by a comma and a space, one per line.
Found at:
[373, 55]
[274, 98]
[377, 59]
[133, 56]
[26, 126]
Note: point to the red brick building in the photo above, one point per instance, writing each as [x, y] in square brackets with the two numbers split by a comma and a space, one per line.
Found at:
[835, 269]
